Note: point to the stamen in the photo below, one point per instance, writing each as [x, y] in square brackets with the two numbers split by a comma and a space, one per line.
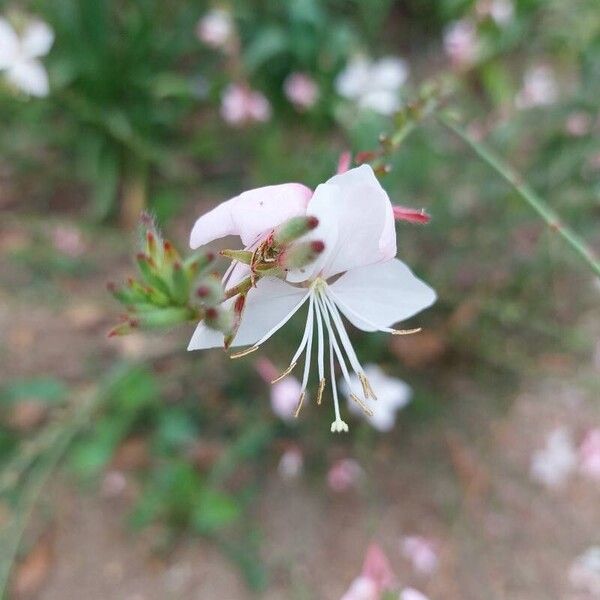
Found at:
[320, 391]
[338, 425]
[285, 373]
[307, 330]
[364, 407]
[244, 352]
[406, 331]
[307, 358]
[321, 342]
[300, 402]
[366, 386]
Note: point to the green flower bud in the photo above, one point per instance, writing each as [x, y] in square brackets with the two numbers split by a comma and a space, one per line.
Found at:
[210, 291]
[293, 229]
[300, 255]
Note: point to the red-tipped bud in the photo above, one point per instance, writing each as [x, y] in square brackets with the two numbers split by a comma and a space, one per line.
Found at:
[412, 215]
[300, 255]
[219, 319]
[210, 291]
[293, 229]
[344, 162]
[317, 246]
[312, 222]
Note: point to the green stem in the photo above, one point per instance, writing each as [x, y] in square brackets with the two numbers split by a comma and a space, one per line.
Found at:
[539, 205]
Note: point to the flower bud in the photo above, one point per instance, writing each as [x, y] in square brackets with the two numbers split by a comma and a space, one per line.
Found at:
[219, 319]
[300, 255]
[293, 229]
[210, 291]
[149, 271]
[243, 256]
[197, 263]
[161, 317]
[412, 215]
[180, 285]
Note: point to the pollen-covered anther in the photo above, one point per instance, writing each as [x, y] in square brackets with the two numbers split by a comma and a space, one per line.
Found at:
[320, 391]
[285, 373]
[363, 406]
[406, 331]
[300, 403]
[244, 352]
[366, 386]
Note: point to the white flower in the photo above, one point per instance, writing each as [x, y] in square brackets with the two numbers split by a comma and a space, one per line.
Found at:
[215, 28]
[553, 464]
[373, 85]
[301, 90]
[584, 574]
[356, 276]
[421, 552]
[540, 88]
[461, 43]
[411, 594]
[19, 54]
[392, 395]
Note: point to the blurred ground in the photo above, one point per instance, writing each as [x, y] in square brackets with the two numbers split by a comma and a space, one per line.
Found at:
[464, 481]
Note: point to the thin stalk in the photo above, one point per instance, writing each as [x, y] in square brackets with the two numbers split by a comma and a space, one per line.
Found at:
[538, 204]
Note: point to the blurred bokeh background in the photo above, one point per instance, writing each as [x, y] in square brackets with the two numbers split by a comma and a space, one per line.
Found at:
[132, 470]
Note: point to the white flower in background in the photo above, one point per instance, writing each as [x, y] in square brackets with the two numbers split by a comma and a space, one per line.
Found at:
[501, 11]
[241, 105]
[461, 43]
[411, 594]
[216, 28]
[373, 85]
[584, 574]
[19, 56]
[355, 274]
[421, 552]
[392, 395]
[554, 464]
[589, 455]
[540, 88]
[301, 90]
[284, 393]
[291, 463]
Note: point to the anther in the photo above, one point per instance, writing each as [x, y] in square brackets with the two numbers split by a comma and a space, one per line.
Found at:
[285, 373]
[364, 407]
[366, 386]
[300, 402]
[244, 352]
[406, 331]
[320, 391]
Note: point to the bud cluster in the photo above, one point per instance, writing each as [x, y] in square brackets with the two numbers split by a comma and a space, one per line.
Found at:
[172, 290]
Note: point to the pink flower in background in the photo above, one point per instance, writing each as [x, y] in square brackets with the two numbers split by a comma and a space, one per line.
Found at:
[301, 90]
[554, 464]
[540, 88]
[411, 594]
[215, 28]
[578, 124]
[344, 474]
[501, 11]
[68, 240]
[19, 56]
[355, 275]
[461, 43]
[240, 106]
[284, 393]
[373, 85]
[421, 552]
[291, 463]
[376, 577]
[589, 455]
[392, 395]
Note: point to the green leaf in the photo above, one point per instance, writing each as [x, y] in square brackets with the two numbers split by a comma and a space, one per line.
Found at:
[215, 510]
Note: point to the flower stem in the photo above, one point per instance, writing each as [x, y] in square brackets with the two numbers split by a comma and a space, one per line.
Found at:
[538, 204]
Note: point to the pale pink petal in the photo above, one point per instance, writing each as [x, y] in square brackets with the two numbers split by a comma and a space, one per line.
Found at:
[266, 306]
[362, 588]
[356, 223]
[30, 77]
[411, 594]
[251, 214]
[37, 39]
[377, 296]
[9, 44]
[377, 568]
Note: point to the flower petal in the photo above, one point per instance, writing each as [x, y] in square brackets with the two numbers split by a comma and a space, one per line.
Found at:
[251, 214]
[30, 77]
[9, 44]
[267, 305]
[381, 295]
[37, 39]
[356, 223]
